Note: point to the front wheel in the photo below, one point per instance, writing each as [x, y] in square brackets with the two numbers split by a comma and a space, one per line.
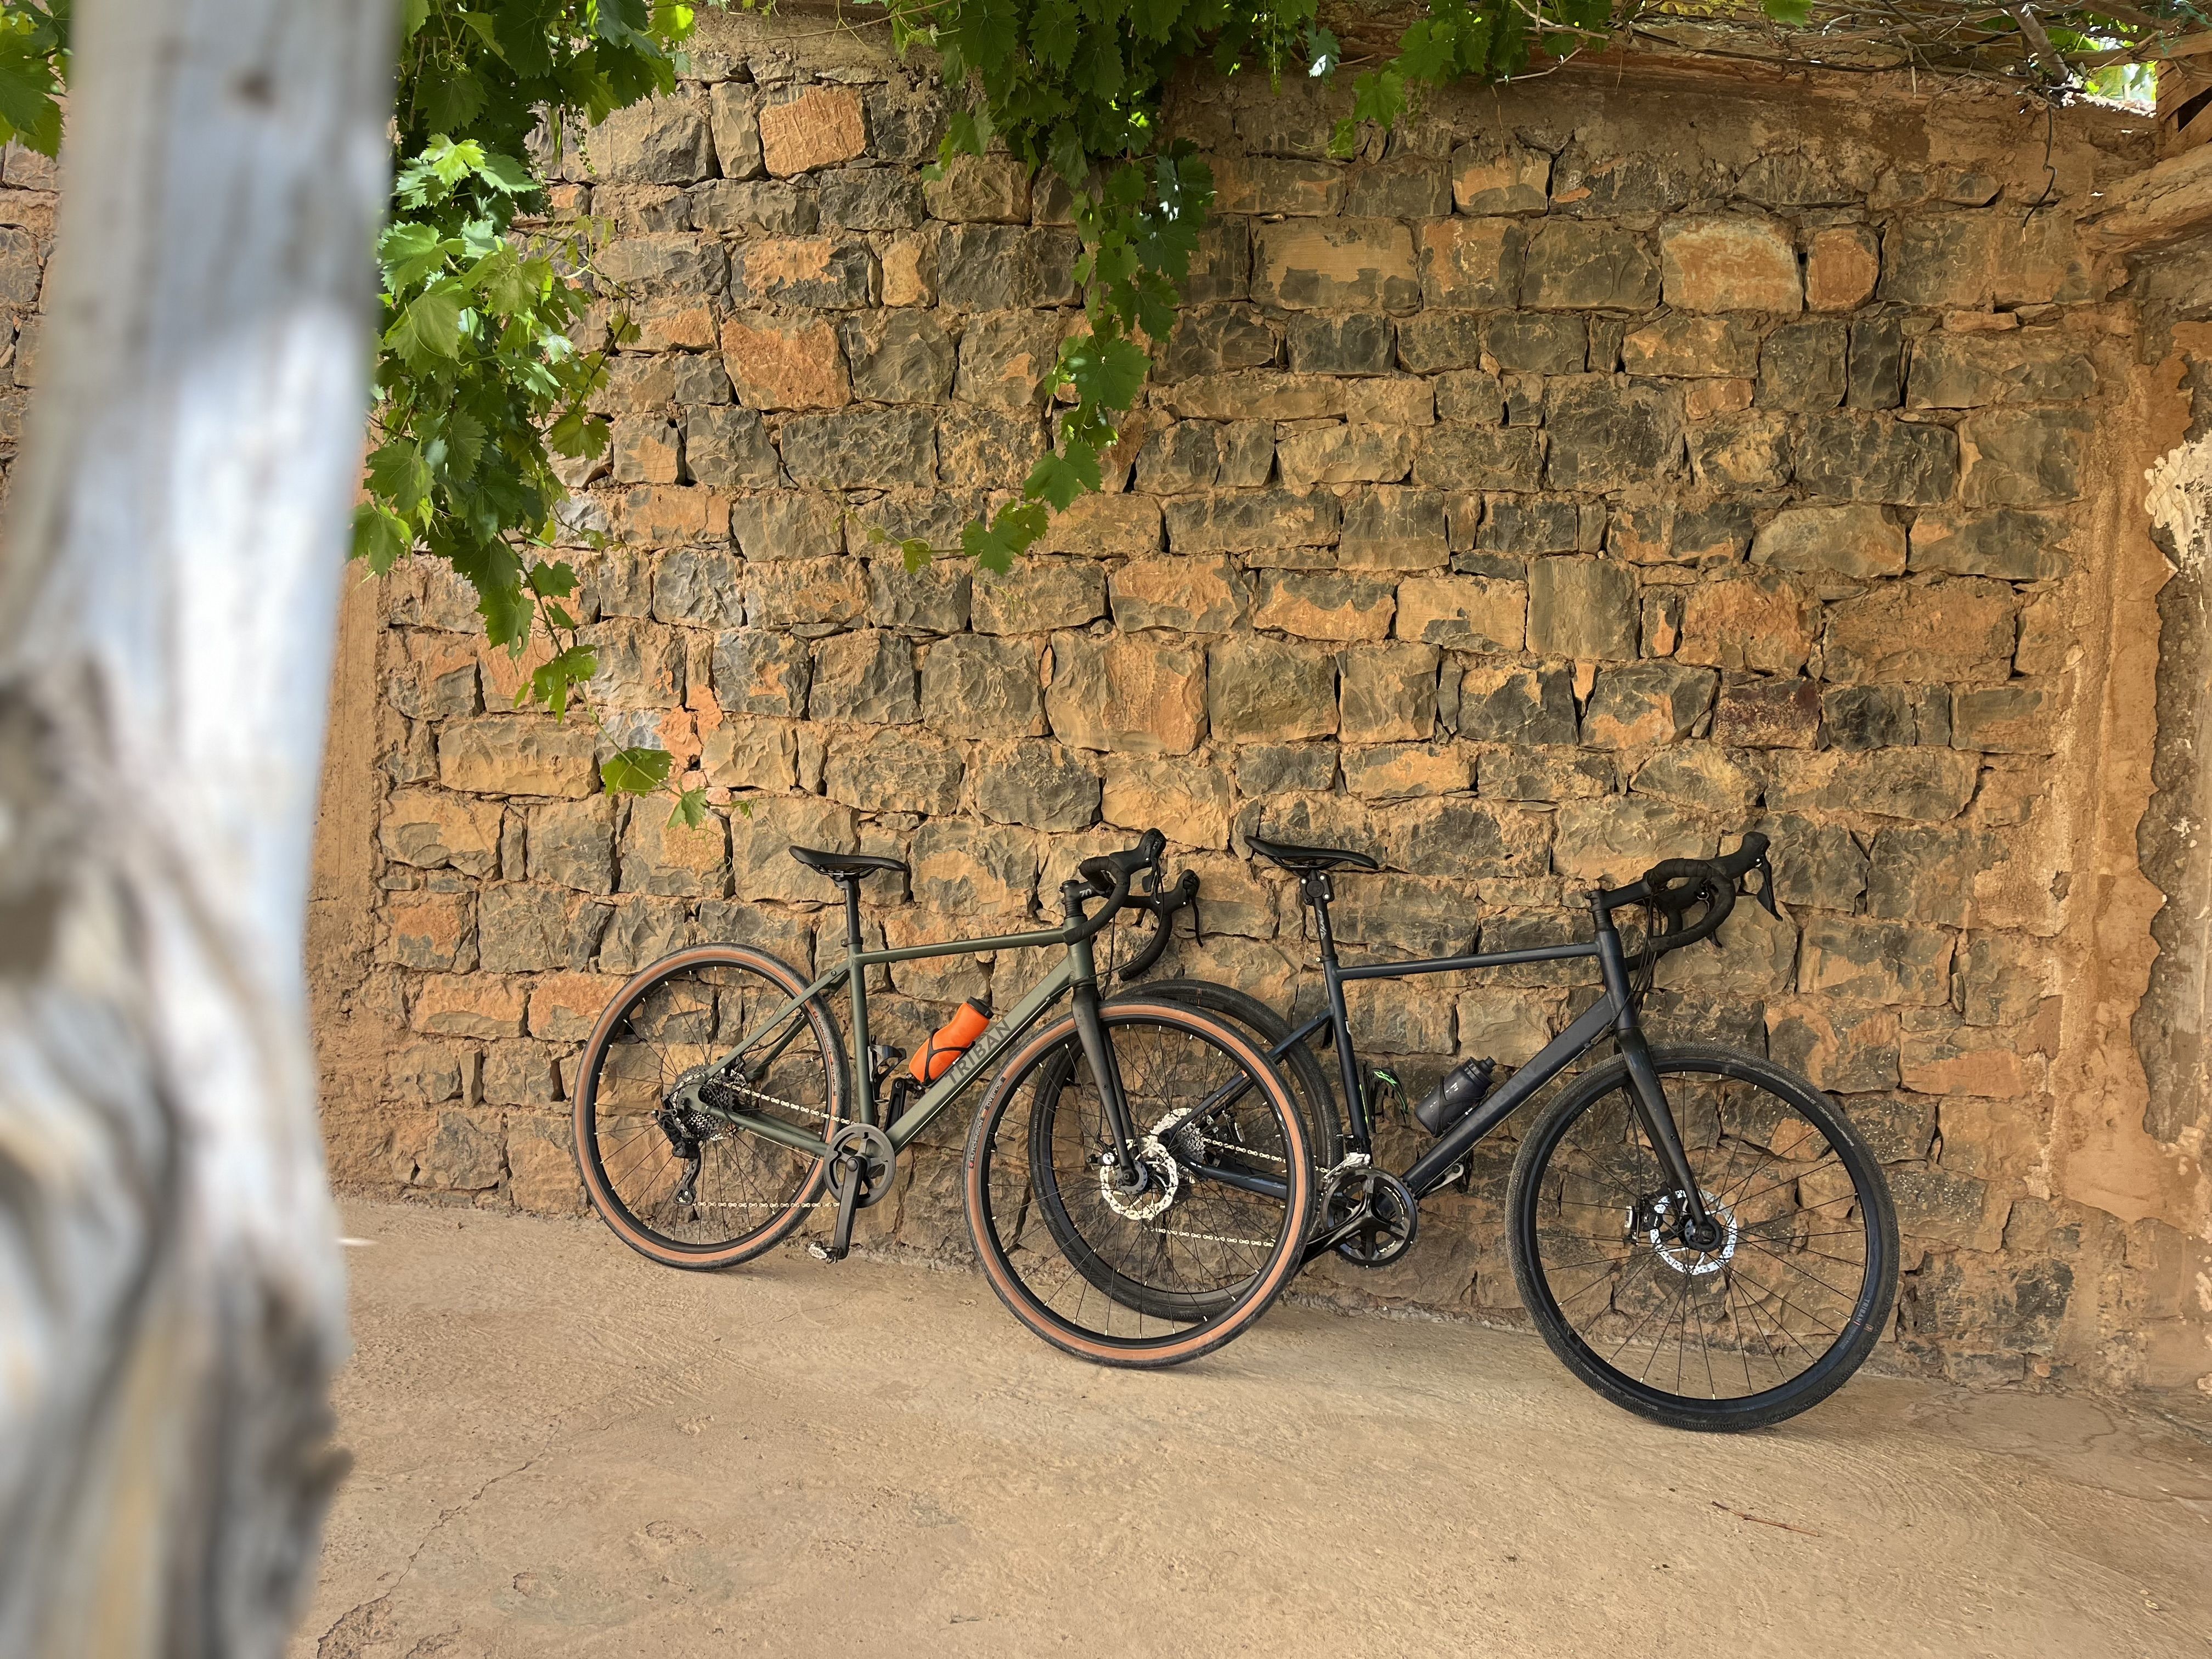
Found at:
[1741, 1328]
[1154, 1265]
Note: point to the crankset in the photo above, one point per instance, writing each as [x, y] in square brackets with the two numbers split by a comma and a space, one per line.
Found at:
[862, 1162]
[1369, 1217]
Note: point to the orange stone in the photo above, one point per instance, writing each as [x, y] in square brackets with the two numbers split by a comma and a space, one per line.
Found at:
[785, 362]
[1841, 268]
[822, 126]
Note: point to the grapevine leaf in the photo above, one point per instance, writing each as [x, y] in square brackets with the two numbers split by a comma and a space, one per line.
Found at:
[379, 540]
[690, 810]
[635, 771]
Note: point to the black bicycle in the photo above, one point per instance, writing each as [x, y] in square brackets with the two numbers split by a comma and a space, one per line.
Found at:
[1699, 1234]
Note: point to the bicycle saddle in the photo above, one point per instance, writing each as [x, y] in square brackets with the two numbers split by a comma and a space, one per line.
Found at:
[846, 866]
[1302, 859]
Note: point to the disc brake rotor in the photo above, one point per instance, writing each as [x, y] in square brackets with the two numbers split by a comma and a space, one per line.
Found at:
[1658, 1220]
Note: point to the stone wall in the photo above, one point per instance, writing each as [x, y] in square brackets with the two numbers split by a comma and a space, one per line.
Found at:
[1597, 469]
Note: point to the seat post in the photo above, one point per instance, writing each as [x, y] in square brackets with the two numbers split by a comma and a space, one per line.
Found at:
[851, 886]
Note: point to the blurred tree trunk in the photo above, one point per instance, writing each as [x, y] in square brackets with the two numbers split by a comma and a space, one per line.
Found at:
[171, 1301]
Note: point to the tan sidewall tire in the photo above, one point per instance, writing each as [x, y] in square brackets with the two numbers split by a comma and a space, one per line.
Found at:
[609, 1209]
[1207, 1337]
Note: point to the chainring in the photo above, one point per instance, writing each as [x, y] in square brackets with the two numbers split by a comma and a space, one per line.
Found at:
[1389, 1216]
[870, 1148]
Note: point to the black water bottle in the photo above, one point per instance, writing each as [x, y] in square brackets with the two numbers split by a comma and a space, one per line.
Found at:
[1458, 1093]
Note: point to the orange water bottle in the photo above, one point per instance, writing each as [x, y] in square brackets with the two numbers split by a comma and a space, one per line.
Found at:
[952, 1040]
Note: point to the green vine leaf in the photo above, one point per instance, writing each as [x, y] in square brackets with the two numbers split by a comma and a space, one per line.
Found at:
[635, 771]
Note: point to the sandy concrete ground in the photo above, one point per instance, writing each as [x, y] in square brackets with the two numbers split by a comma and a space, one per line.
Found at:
[564, 1450]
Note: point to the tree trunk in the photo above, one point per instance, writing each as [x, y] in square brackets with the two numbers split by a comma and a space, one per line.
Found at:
[171, 1301]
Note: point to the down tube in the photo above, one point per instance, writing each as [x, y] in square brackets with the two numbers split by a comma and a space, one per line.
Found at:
[996, 1037]
[1561, 1052]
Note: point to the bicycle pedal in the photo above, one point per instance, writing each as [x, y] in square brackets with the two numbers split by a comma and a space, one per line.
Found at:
[818, 1251]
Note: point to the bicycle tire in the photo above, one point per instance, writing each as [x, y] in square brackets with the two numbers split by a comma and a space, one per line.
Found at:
[801, 1186]
[1533, 1186]
[1001, 1193]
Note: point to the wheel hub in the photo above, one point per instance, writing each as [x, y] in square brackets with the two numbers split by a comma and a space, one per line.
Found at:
[1661, 1221]
[1158, 1179]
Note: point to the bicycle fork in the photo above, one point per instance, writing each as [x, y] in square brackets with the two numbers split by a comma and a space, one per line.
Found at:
[1098, 1054]
[1645, 1092]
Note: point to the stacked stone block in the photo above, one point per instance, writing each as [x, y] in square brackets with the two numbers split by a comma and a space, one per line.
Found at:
[1544, 492]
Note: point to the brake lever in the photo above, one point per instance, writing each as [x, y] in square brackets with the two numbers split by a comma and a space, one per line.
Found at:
[1766, 893]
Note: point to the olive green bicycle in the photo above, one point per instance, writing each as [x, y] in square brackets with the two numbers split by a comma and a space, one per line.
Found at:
[716, 1112]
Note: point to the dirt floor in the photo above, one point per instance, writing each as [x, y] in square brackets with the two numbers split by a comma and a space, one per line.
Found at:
[561, 1448]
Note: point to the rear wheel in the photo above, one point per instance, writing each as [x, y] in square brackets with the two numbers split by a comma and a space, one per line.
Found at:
[1745, 1327]
[1150, 1267]
[691, 1189]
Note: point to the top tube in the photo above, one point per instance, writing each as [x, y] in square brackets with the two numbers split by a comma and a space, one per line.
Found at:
[1450, 964]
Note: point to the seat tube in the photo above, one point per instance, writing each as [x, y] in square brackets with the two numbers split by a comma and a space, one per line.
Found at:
[1645, 1088]
[1319, 890]
[856, 988]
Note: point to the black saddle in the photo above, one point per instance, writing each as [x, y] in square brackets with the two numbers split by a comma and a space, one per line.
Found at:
[846, 866]
[1300, 860]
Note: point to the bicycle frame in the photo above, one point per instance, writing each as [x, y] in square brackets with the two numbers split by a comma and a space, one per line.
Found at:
[1613, 1013]
[1077, 971]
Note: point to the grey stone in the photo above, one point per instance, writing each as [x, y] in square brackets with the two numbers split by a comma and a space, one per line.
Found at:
[894, 769]
[1868, 717]
[1581, 609]
[975, 686]
[652, 267]
[1479, 458]
[1006, 359]
[1211, 339]
[1470, 396]
[759, 672]
[1004, 267]
[1516, 706]
[1801, 366]
[1572, 266]
[2023, 457]
[1393, 527]
[869, 199]
[2018, 366]
[864, 448]
[985, 449]
[661, 140]
[2006, 542]
[822, 274]
[904, 122]
[1872, 458]
[936, 598]
[1535, 342]
[866, 675]
[1608, 435]
[522, 928]
[767, 207]
[898, 357]
[1432, 340]
[639, 932]
[1876, 379]
[1324, 343]
[1034, 781]
[1523, 525]
[572, 842]
[1815, 864]
[733, 113]
[698, 587]
[1264, 769]
[1269, 690]
[1403, 187]
[728, 448]
[786, 525]
[1252, 521]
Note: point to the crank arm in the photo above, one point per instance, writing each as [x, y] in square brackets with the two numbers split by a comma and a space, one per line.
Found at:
[1323, 1244]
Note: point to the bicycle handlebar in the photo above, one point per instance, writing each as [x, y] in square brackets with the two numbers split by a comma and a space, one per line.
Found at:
[1162, 905]
[1110, 875]
[1676, 886]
